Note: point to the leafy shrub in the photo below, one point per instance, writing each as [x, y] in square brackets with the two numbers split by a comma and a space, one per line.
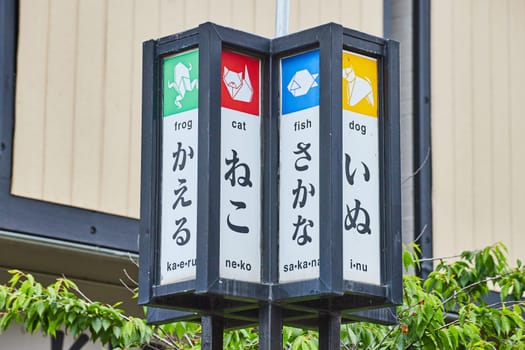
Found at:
[448, 310]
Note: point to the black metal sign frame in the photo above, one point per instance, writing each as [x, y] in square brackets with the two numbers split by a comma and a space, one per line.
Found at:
[331, 292]
[299, 303]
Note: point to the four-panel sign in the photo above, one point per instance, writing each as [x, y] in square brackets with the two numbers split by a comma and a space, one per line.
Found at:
[270, 172]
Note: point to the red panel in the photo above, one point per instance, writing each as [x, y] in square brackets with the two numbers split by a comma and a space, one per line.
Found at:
[240, 88]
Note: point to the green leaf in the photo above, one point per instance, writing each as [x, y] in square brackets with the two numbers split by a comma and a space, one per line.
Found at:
[407, 260]
[180, 330]
[296, 345]
[465, 278]
[16, 274]
[504, 292]
[6, 320]
[52, 327]
[117, 304]
[117, 331]
[505, 324]
[351, 335]
[454, 337]
[4, 291]
[227, 338]
[516, 289]
[496, 321]
[40, 307]
[127, 331]
[96, 324]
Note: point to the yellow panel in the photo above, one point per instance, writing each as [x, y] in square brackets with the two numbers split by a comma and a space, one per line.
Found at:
[517, 96]
[359, 84]
[444, 209]
[88, 104]
[61, 60]
[117, 99]
[28, 157]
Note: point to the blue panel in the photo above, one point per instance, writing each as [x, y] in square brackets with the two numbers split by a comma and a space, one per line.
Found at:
[300, 81]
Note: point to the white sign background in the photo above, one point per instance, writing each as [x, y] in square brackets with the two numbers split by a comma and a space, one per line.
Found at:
[178, 262]
[298, 262]
[361, 252]
[240, 253]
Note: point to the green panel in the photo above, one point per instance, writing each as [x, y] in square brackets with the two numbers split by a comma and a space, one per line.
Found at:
[180, 83]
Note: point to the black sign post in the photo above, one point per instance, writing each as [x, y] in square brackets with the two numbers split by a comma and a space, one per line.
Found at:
[270, 181]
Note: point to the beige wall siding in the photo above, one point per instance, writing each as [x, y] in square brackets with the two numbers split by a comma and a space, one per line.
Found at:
[517, 125]
[78, 98]
[477, 124]
[364, 15]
